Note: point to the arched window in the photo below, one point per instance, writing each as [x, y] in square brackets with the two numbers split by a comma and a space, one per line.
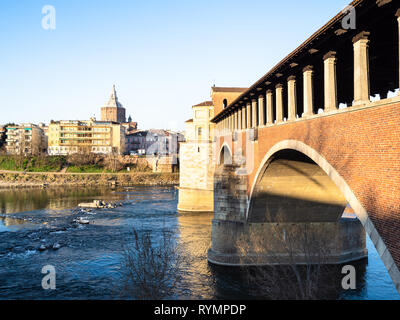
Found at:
[225, 103]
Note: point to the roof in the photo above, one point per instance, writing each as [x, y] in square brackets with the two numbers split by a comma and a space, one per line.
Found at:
[204, 104]
[113, 101]
[228, 89]
[190, 120]
[306, 44]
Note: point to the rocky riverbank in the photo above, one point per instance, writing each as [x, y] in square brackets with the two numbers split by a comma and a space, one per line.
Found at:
[36, 179]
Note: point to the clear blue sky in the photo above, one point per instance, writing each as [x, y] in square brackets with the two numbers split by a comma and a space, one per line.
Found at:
[163, 56]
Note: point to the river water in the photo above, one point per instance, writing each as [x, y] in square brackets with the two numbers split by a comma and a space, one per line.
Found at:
[89, 264]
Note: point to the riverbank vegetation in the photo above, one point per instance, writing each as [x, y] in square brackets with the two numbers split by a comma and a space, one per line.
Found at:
[75, 163]
[32, 164]
[20, 180]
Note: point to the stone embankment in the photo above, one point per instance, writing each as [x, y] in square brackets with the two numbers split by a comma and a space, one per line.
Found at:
[16, 179]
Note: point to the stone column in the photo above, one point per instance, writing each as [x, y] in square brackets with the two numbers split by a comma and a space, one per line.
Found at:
[330, 81]
[243, 117]
[308, 95]
[235, 121]
[261, 112]
[279, 102]
[248, 109]
[398, 22]
[269, 103]
[361, 68]
[254, 113]
[292, 98]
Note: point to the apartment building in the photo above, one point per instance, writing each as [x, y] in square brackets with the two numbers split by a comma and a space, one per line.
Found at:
[153, 142]
[25, 139]
[2, 136]
[72, 136]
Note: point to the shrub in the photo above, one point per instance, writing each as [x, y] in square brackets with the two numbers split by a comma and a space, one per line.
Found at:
[152, 269]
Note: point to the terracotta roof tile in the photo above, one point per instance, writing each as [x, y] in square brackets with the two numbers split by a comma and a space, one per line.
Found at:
[204, 104]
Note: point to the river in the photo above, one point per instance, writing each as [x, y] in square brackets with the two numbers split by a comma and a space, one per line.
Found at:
[89, 263]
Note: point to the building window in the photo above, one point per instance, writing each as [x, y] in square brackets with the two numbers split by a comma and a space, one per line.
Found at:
[199, 131]
[225, 103]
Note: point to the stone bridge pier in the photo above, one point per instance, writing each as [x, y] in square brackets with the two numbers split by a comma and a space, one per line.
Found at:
[294, 217]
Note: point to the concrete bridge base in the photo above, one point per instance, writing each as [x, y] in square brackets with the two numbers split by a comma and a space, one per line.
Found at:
[195, 200]
[247, 244]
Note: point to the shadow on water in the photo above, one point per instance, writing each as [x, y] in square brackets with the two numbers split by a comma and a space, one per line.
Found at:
[272, 283]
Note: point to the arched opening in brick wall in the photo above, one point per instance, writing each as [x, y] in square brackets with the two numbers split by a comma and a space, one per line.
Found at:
[293, 188]
[294, 183]
[225, 156]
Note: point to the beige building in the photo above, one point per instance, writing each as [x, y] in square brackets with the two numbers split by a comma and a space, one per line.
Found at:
[196, 188]
[103, 137]
[25, 139]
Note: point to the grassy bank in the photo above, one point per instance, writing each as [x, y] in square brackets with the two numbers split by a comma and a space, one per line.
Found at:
[76, 163]
[18, 180]
[32, 164]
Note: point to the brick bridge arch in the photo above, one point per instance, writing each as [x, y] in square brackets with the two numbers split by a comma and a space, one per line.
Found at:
[311, 153]
[358, 148]
[336, 178]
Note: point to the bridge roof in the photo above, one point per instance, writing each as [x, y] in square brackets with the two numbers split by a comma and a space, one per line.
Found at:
[311, 42]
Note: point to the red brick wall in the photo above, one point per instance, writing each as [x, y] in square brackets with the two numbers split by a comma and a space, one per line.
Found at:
[364, 148]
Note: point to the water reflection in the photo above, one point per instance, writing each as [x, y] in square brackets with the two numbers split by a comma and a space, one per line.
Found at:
[10, 224]
[89, 259]
[20, 200]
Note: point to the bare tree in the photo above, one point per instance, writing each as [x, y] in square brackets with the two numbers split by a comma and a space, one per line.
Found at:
[152, 269]
[112, 162]
[297, 266]
[84, 156]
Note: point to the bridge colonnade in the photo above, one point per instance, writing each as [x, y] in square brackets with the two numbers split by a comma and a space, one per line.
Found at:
[268, 108]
